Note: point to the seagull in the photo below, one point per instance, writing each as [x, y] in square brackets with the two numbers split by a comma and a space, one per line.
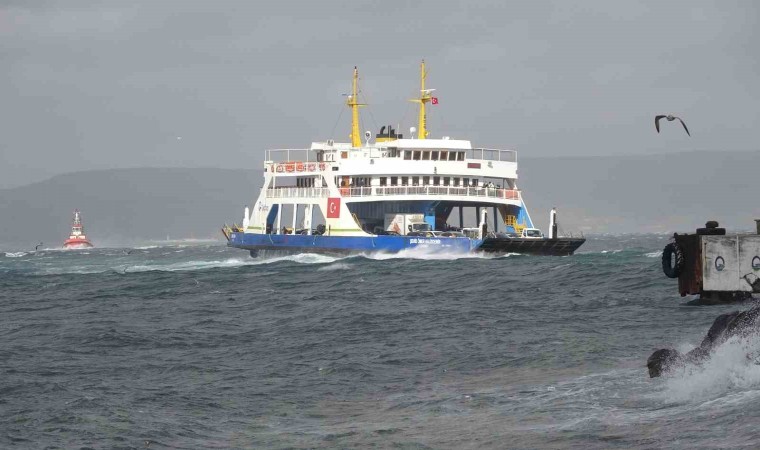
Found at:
[670, 119]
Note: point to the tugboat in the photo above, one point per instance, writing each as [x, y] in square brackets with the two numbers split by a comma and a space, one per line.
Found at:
[392, 194]
[77, 239]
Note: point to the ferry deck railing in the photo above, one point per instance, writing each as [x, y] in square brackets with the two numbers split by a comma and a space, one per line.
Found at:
[293, 155]
[380, 191]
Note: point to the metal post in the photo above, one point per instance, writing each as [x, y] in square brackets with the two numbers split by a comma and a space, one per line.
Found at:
[461, 217]
[279, 217]
[295, 215]
[308, 215]
[495, 221]
[477, 215]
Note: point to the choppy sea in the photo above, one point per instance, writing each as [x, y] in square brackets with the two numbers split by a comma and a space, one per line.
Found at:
[201, 346]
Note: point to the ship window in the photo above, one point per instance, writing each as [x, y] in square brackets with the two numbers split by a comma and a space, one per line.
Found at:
[407, 155]
[415, 181]
[444, 156]
[460, 156]
[452, 156]
[475, 182]
[383, 181]
[393, 152]
[404, 181]
[417, 155]
[434, 156]
[425, 155]
[426, 181]
[456, 181]
[446, 181]
[394, 181]
[465, 182]
[436, 181]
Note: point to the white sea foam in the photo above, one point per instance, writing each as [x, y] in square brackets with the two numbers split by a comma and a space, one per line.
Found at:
[654, 254]
[335, 266]
[15, 254]
[302, 258]
[731, 367]
[180, 266]
[428, 253]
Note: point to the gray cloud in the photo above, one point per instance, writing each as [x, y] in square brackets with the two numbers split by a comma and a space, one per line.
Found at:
[113, 84]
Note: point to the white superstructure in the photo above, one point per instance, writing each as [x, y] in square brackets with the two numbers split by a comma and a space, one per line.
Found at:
[350, 187]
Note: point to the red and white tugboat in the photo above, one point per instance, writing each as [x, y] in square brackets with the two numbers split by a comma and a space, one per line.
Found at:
[77, 239]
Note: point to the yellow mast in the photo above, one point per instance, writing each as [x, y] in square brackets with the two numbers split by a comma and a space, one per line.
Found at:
[352, 102]
[425, 97]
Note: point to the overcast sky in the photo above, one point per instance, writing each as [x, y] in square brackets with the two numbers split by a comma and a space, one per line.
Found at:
[89, 85]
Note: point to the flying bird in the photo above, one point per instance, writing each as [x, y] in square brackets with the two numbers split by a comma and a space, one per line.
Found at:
[670, 119]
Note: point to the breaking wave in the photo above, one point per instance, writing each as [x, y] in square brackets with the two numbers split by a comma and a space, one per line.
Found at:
[15, 254]
[433, 255]
[732, 366]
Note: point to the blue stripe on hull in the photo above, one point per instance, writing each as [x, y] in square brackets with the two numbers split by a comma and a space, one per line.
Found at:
[349, 244]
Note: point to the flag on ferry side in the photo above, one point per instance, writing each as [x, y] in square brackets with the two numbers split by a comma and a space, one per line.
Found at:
[333, 208]
[434, 100]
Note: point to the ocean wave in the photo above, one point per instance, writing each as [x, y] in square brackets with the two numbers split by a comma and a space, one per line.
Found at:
[656, 254]
[335, 266]
[433, 255]
[732, 366]
[15, 254]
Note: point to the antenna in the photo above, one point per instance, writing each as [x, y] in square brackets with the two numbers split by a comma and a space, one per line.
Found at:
[367, 136]
[412, 130]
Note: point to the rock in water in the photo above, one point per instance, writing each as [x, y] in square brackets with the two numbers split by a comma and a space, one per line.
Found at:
[725, 326]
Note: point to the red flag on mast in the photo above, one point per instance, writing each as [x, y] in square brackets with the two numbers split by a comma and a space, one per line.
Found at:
[434, 100]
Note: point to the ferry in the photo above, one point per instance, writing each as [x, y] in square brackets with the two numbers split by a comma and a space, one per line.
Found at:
[77, 238]
[390, 193]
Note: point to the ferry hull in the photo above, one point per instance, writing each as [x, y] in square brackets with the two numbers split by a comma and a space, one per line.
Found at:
[77, 243]
[287, 243]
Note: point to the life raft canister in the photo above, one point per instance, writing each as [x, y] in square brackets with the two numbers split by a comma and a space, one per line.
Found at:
[671, 268]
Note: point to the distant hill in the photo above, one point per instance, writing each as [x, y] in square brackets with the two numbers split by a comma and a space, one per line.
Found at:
[125, 206]
[650, 193]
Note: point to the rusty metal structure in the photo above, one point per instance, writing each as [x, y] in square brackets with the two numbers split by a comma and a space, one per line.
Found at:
[716, 266]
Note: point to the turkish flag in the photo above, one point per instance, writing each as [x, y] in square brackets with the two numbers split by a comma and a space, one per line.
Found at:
[333, 208]
[434, 100]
